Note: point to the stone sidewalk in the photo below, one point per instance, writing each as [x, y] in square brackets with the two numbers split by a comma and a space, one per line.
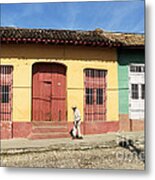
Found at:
[102, 151]
[89, 141]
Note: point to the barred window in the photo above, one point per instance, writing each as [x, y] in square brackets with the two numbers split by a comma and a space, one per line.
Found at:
[4, 89]
[95, 73]
[99, 96]
[143, 91]
[89, 96]
[134, 91]
[134, 68]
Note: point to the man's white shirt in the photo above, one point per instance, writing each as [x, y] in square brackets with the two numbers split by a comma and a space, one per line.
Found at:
[77, 115]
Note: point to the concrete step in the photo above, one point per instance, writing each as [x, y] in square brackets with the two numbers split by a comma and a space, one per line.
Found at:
[49, 123]
[49, 130]
[46, 129]
[49, 135]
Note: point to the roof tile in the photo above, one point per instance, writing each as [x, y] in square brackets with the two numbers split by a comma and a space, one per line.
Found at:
[97, 36]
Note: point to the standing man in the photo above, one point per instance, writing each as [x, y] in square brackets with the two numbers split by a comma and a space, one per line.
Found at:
[75, 132]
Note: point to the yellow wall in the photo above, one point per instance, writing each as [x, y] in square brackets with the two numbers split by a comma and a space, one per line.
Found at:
[22, 57]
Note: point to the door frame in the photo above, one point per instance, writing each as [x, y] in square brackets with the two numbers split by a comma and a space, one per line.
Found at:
[43, 62]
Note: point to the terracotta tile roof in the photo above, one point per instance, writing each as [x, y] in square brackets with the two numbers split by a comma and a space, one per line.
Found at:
[127, 39]
[97, 37]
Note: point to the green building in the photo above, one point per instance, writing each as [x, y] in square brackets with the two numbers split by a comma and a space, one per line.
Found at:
[131, 77]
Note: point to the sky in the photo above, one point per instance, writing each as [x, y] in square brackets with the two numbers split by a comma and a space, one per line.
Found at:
[115, 16]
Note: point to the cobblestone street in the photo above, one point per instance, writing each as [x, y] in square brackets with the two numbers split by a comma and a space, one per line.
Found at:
[99, 151]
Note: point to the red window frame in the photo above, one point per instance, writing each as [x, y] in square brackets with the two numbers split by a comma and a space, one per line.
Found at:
[6, 83]
[95, 94]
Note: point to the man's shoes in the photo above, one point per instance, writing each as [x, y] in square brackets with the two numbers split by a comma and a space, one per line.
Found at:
[79, 137]
[71, 132]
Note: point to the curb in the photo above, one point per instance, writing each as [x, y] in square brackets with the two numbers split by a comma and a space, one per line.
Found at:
[60, 147]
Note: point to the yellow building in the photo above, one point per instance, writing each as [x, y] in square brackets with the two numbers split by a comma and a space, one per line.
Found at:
[46, 72]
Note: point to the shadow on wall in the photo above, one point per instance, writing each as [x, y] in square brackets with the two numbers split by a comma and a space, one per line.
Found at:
[45, 51]
[127, 56]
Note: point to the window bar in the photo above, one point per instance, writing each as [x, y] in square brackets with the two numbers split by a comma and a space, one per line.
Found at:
[96, 89]
[86, 77]
[100, 86]
[90, 93]
[4, 93]
[91, 78]
[104, 104]
[87, 80]
[0, 94]
[3, 107]
[6, 105]
[85, 96]
[85, 109]
[93, 105]
[105, 94]
[10, 94]
[103, 91]
[39, 96]
[93, 94]
[88, 96]
[9, 91]
[139, 99]
[89, 73]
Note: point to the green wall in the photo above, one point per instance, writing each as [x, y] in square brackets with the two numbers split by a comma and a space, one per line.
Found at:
[125, 57]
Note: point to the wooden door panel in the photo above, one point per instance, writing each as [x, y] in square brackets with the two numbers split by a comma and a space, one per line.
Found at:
[58, 93]
[51, 91]
[41, 93]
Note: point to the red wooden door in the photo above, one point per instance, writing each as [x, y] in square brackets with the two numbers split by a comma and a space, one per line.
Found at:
[6, 82]
[49, 92]
[58, 98]
[95, 95]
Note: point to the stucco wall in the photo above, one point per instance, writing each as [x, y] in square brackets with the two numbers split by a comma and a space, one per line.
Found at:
[125, 58]
[22, 57]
